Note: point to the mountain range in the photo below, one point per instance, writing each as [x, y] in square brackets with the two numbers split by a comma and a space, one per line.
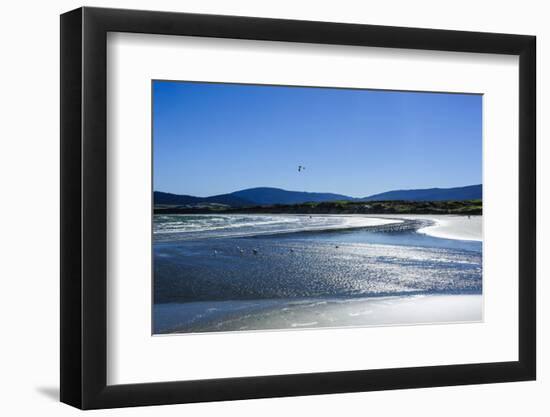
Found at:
[470, 192]
[264, 196]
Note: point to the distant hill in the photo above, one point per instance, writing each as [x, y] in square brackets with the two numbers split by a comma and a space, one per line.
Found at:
[161, 198]
[471, 192]
[249, 197]
[269, 196]
[266, 196]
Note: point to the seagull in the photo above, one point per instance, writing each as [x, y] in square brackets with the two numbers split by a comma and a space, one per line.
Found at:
[301, 168]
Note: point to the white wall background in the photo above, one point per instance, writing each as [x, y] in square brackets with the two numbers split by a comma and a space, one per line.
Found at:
[29, 237]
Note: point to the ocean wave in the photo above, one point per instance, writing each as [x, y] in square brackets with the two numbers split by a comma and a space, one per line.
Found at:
[183, 227]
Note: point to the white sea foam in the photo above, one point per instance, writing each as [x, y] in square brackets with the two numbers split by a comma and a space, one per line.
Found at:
[309, 324]
[183, 226]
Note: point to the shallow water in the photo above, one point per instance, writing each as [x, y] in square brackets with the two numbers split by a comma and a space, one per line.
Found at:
[211, 266]
[297, 314]
[177, 227]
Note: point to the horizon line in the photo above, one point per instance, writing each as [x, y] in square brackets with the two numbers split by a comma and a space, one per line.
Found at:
[319, 192]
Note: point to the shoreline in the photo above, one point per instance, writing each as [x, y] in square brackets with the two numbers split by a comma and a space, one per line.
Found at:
[323, 265]
[352, 222]
[449, 231]
[444, 226]
[449, 226]
[323, 313]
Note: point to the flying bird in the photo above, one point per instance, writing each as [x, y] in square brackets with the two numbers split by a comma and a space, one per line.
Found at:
[301, 168]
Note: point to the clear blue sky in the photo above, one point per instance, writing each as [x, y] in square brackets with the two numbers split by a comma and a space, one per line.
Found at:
[217, 138]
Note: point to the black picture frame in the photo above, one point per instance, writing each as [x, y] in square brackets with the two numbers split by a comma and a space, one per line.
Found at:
[84, 207]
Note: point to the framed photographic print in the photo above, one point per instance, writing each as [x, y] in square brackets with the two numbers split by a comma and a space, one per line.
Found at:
[258, 207]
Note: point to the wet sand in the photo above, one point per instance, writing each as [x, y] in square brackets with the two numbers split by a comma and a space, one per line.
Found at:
[224, 316]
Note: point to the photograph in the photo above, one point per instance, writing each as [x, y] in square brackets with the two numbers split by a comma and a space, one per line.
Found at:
[297, 207]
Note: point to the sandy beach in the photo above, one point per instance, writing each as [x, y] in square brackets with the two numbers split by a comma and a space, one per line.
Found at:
[256, 272]
[456, 227]
[447, 226]
[302, 314]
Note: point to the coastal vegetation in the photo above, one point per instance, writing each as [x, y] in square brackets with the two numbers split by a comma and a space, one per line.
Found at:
[459, 207]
